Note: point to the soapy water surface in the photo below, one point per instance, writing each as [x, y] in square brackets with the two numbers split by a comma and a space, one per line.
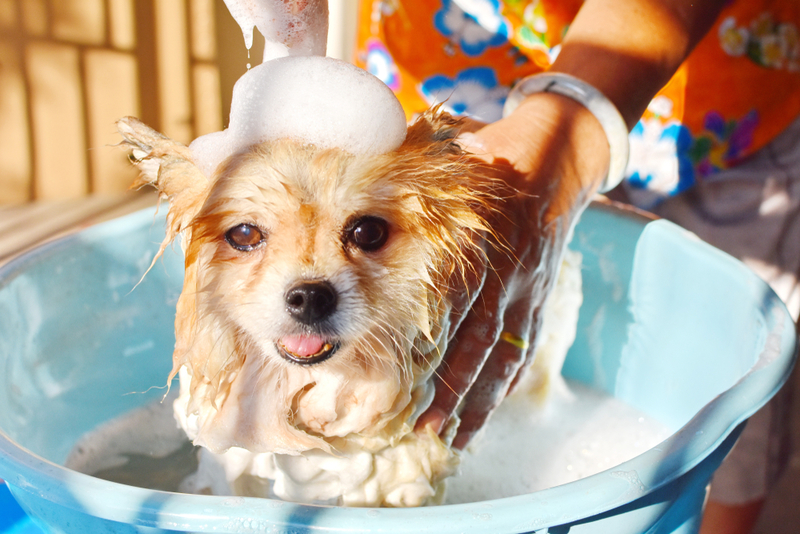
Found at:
[578, 433]
[523, 449]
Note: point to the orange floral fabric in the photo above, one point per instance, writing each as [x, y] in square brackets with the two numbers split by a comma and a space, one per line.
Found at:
[736, 92]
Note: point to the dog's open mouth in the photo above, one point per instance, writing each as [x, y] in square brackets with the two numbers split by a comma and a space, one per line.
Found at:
[306, 350]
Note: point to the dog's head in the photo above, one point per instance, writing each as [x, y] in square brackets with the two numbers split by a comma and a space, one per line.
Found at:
[314, 295]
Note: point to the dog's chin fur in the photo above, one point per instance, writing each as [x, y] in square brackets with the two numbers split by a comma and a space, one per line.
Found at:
[389, 325]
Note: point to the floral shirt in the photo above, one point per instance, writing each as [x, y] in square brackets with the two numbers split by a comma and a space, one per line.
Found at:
[737, 91]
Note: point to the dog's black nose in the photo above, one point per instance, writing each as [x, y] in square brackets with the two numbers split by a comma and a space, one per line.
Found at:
[311, 302]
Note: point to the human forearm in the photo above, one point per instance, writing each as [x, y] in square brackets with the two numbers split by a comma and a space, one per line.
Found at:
[629, 49]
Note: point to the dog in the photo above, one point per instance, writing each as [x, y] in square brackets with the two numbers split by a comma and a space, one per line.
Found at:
[315, 308]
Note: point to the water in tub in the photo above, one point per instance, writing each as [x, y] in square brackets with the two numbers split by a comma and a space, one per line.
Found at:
[523, 449]
[541, 436]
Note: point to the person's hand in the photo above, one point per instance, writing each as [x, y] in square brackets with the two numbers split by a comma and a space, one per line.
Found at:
[553, 154]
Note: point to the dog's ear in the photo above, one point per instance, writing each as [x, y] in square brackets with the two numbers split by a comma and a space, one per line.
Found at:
[168, 166]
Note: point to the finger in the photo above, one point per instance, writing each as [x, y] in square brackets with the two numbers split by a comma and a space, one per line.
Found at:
[507, 358]
[544, 287]
[465, 285]
[530, 353]
[466, 355]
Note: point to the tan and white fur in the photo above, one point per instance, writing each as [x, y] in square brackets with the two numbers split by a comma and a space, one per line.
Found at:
[264, 411]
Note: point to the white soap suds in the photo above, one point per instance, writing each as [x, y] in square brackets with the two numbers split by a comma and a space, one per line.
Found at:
[525, 448]
[290, 28]
[393, 466]
[315, 100]
[150, 430]
[363, 472]
[298, 93]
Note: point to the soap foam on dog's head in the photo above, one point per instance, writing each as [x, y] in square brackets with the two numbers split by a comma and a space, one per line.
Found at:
[316, 100]
[297, 93]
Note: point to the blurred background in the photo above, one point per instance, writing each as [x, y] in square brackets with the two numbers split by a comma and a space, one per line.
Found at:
[70, 68]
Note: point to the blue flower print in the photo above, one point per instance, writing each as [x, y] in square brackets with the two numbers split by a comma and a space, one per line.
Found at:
[474, 24]
[381, 65]
[659, 165]
[474, 92]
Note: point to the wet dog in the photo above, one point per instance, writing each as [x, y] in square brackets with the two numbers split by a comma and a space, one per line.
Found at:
[314, 308]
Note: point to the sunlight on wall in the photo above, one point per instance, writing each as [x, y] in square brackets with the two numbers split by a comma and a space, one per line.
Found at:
[70, 68]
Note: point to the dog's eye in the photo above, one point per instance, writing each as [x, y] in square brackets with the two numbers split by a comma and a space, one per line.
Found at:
[244, 237]
[369, 233]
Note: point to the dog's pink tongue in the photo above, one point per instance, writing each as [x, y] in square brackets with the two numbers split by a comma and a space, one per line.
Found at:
[303, 346]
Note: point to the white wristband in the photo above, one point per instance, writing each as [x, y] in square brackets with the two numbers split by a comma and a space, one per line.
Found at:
[601, 107]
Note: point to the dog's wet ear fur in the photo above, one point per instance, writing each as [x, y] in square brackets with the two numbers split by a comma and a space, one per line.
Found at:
[167, 165]
[437, 130]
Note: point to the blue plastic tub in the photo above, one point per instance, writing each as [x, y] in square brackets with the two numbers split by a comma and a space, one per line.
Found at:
[670, 325]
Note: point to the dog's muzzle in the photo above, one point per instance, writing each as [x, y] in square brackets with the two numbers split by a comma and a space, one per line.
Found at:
[309, 303]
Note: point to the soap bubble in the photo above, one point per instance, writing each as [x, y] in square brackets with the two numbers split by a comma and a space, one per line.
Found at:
[291, 28]
[316, 100]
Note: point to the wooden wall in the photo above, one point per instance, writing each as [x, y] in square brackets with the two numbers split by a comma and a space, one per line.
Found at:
[70, 68]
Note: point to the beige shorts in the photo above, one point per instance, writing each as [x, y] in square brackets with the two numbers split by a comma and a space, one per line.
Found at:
[753, 213]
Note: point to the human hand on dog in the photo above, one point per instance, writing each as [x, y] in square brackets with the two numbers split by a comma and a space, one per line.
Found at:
[553, 155]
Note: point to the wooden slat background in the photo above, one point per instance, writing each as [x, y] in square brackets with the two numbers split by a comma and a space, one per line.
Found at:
[70, 68]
